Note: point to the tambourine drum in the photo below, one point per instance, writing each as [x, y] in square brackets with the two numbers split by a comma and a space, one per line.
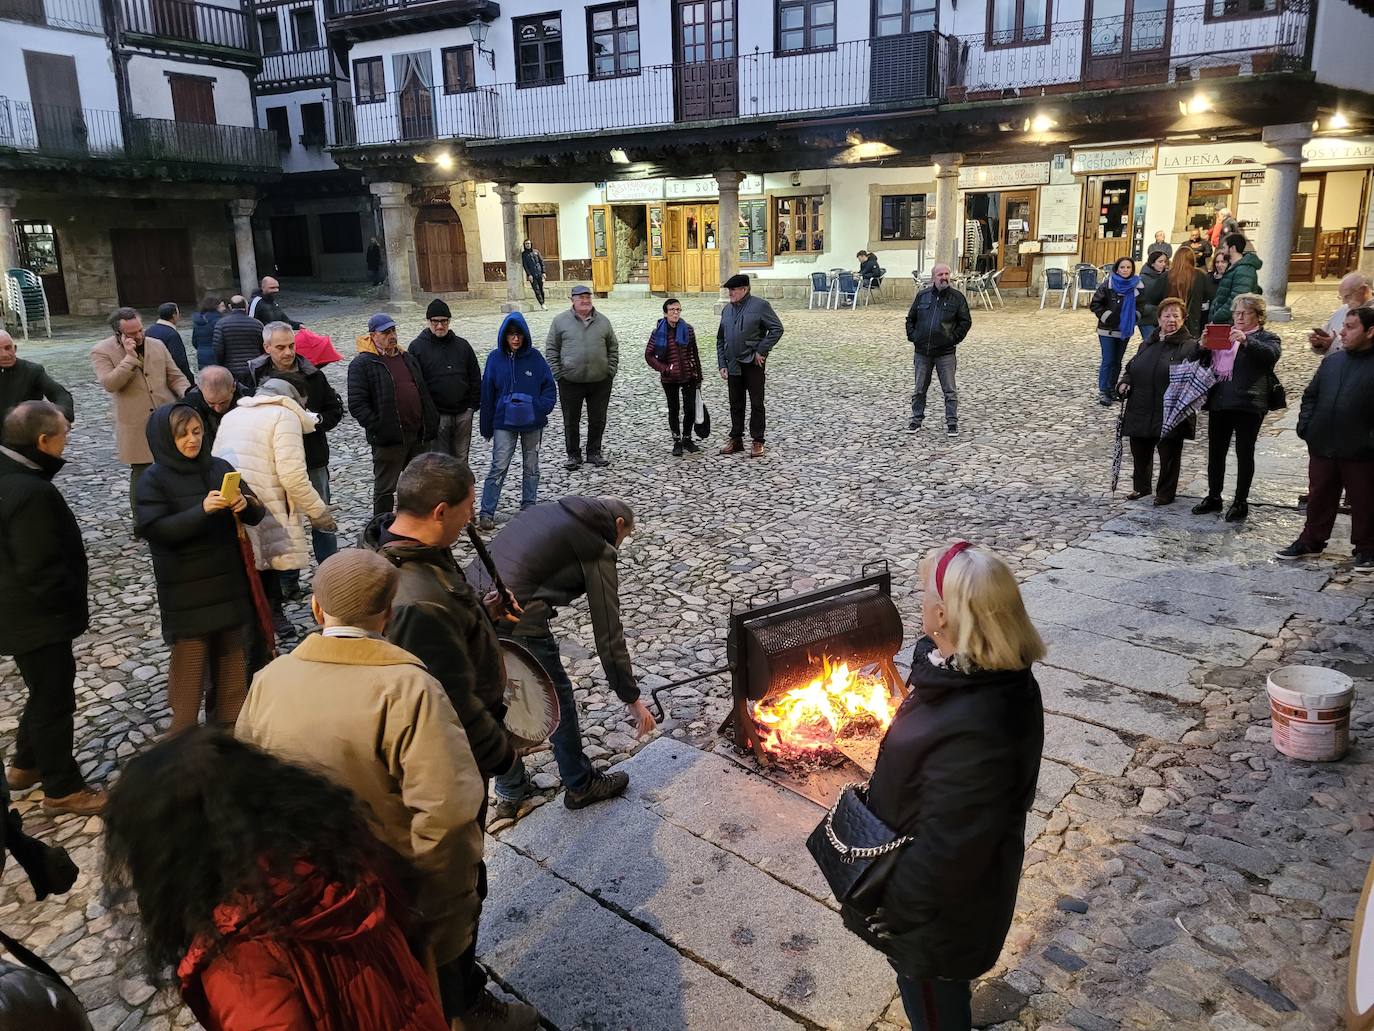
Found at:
[1359, 1004]
[531, 701]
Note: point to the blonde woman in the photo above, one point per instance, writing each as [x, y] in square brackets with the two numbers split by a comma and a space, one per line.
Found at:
[957, 772]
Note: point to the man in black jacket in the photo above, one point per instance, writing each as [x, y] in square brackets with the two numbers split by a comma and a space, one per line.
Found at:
[453, 377]
[165, 329]
[938, 321]
[1337, 422]
[749, 330]
[388, 396]
[533, 263]
[43, 605]
[22, 380]
[547, 556]
[266, 304]
[237, 338]
[214, 396]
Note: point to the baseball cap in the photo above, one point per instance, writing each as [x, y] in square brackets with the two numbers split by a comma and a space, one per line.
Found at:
[380, 323]
[580, 289]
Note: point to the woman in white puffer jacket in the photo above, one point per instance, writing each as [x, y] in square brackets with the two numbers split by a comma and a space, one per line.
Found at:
[263, 437]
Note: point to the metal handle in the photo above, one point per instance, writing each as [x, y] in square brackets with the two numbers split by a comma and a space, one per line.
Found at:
[850, 853]
[654, 693]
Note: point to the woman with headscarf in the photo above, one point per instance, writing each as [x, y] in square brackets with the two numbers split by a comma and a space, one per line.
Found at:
[202, 585]
[672, 353]
[1114, 304]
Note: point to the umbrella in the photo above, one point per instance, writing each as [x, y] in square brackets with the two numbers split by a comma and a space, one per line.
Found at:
[261, 609]
[1117, 452]
[1188, 386]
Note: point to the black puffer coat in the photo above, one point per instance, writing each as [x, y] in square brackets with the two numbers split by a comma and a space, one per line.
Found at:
[1248, 388]
[1148, 376]
[201, 582]
[372, 399]
[1337, 415]
[957, 770]
[452, 374]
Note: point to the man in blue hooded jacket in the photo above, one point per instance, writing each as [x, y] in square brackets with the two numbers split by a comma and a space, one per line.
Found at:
[518, 393]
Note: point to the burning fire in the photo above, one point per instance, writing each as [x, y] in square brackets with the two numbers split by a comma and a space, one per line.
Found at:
[804, 722]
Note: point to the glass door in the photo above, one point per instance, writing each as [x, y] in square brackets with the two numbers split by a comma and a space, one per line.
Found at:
[707, 71]
[1302, 263]
[1128, 40]
[1018, 223]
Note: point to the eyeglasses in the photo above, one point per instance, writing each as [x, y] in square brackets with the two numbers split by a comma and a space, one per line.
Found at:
[438, 322]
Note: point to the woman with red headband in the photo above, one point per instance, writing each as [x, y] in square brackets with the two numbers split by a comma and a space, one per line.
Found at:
[957, 772]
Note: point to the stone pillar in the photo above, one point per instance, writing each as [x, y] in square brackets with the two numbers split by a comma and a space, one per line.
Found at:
[242, 210]
[947, 208]
[1278, 212]
[398, 224]
[510, 238]
[727, 229]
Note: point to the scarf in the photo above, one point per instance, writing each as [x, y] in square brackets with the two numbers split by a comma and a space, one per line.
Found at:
[1224, 362]
[1126, 288]
[660, 338]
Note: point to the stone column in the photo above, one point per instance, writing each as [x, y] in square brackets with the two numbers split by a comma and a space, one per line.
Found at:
[510, 239]
[398, 223]
[727, 229]
[1278, 212]
[242, 210]
[946, 208]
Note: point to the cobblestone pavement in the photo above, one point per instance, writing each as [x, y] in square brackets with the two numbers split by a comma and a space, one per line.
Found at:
[1181, 872]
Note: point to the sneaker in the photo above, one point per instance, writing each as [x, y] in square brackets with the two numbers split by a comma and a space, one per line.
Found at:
[914, 424]
[1364, 560]
[486, 524]
[677, 449]
[690, 445]
[602, 787]
[493, 1014]
[1206, 505]
[1105, 400]
[1237, 512]
[573, 462]
[86, 802]
[543, 307]
[594, 458]
[22, 780]
[1298, 549]
[951, 431]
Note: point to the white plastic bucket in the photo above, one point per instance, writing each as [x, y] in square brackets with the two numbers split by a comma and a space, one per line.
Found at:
[1310, 707]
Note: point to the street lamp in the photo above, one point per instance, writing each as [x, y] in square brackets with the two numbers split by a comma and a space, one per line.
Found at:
[479, 30]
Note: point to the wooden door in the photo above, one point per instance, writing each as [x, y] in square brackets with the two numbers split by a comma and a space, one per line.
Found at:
[291, 245]
[602, 243]
[1018, 223]
[1128, 40]
[57, 114]
[193, 98]
[152, 266]
[1108, 218]
[710, 246]
[1306, 221]
[691, 247]
[441, 255]
[707, 69]
[416, 104]
[677, 275]
[658, 251]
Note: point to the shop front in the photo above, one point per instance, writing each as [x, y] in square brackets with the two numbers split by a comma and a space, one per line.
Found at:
[1000, 206]
[1115, 188]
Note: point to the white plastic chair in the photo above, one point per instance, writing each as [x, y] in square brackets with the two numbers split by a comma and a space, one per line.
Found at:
[992, 282]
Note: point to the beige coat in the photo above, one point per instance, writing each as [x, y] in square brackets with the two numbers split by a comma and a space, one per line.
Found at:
[136, 388]
[367, 715]
[263, 437]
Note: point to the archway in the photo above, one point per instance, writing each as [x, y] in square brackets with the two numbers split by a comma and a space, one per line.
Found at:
[441, 254]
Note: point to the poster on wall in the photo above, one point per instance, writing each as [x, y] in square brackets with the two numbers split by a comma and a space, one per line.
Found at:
[1059, 210]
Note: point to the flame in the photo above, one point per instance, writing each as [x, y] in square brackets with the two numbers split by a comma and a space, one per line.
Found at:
[806, 720]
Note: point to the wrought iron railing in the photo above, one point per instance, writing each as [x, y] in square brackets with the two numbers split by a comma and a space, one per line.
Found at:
[347, 8]
[296, 66]
[81, 15]
[189, 21]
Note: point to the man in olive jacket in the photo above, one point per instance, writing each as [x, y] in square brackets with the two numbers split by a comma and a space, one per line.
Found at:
[749, 329]
[583, 355]
[936, 325]
[1241, 277]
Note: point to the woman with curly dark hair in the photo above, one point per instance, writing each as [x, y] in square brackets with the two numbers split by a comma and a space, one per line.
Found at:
[259, 885]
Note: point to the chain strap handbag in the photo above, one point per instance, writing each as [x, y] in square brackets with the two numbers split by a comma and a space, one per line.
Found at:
[856, 851]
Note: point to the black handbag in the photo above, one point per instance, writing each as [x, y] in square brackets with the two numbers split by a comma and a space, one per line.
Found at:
[1278, 397]
[855, 851]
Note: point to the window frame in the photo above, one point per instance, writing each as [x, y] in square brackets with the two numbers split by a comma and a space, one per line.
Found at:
[283, 133]
[1208, 16]
[307, 138]
[544, 80]
[807, 27]
[614, 31]
[1019, 40]
[454, 88]
[270, 18]
[813, 214]
[370, 98]
[883, 199]
[296, 13]
[905, 16]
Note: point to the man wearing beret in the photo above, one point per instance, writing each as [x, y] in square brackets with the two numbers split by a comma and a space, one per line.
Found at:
[749, 329]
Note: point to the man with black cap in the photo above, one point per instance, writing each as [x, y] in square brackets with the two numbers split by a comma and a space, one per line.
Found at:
[388, 396]
[749, 329]
[453, 377]
[583, 354]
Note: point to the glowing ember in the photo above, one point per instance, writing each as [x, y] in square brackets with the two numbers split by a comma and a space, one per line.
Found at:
[804, 722]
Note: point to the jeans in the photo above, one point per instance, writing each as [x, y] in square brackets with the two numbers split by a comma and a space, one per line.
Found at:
[455, 435]
[47, 724]
[1142, 457]
[388, 462]
[598, 398]
[1109, 371]
[937, 1004]
[537, 284]
[749, 383]
[573, 765]
[1325, 478]
[944, 367]
[502, 451]
[324, 542]
[680, 421]
[1220, 427]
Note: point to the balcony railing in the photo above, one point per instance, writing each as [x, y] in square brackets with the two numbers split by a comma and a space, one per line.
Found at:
[189, 22]
[69, 132]
[80, 15]
[296, 67]
[348, 8]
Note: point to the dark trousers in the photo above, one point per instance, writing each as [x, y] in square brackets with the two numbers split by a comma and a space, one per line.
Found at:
[46, 726]
[1170, 458]
[388, 461]
[462, 980]
[598, 398]
[937, 1004]
[749, 383]
[135, 471]
[537, 285]
[1245, 426]
[1325, 478]
[682, 407]
[573, 765]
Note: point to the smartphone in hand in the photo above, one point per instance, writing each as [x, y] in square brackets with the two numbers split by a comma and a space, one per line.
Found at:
[229, 487]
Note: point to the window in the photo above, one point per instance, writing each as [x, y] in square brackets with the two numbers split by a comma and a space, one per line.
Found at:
[806, 25]
[539, 50]
[193, 98]
[1217, 9]
[542, 232]
[269, 29]
[341, 232]
[799, 224]
[903, 217]
[460, 75]
[312, 126]
[613, 34]
[279, 122]
[897, 17]
[369, 81]
[306, 29]
[1018, 22]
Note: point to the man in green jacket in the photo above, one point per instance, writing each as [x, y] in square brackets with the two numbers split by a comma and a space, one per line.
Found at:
[1242, 277]
[22, 381]
[583, 354]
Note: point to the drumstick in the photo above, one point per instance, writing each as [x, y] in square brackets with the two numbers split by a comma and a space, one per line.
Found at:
[485, 557]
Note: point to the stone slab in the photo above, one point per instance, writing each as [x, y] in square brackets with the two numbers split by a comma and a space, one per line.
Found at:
[1054, 783]
[584, 967]
[1109, 705]
[1198, 575]
[1086, 746]
[1119, 662]
[788, 948]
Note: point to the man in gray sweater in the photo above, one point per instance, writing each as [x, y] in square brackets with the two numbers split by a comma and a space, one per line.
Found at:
[583, 353]
[749, 329]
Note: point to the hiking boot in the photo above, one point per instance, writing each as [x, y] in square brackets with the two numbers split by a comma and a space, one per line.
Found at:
[602, 787]
[677, 449]
[689, 445]
[1208, 504]
[732, 447]
[1237, 512]
[756, 449]
[505, 809]
[1299, 549]
[914, 424]
[86, 802]
[595, 458]
[493, 1014]
[573, 462]
[1364, 560]
[22, 780]
[486, 524]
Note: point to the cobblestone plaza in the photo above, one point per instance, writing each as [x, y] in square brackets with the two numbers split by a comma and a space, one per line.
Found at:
[1180, 871]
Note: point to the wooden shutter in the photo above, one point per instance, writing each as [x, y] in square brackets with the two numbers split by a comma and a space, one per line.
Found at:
[193, 98]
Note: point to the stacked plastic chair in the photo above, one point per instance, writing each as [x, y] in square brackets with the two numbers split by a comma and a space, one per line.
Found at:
[26, 299]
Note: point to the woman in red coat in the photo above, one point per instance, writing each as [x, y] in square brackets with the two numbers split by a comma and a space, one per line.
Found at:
[259, 884]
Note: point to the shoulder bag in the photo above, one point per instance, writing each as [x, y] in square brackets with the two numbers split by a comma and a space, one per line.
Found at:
[1278, 397]
[856, 851]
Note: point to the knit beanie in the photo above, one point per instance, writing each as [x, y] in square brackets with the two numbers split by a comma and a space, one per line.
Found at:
[355, 584]
[438, 310]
